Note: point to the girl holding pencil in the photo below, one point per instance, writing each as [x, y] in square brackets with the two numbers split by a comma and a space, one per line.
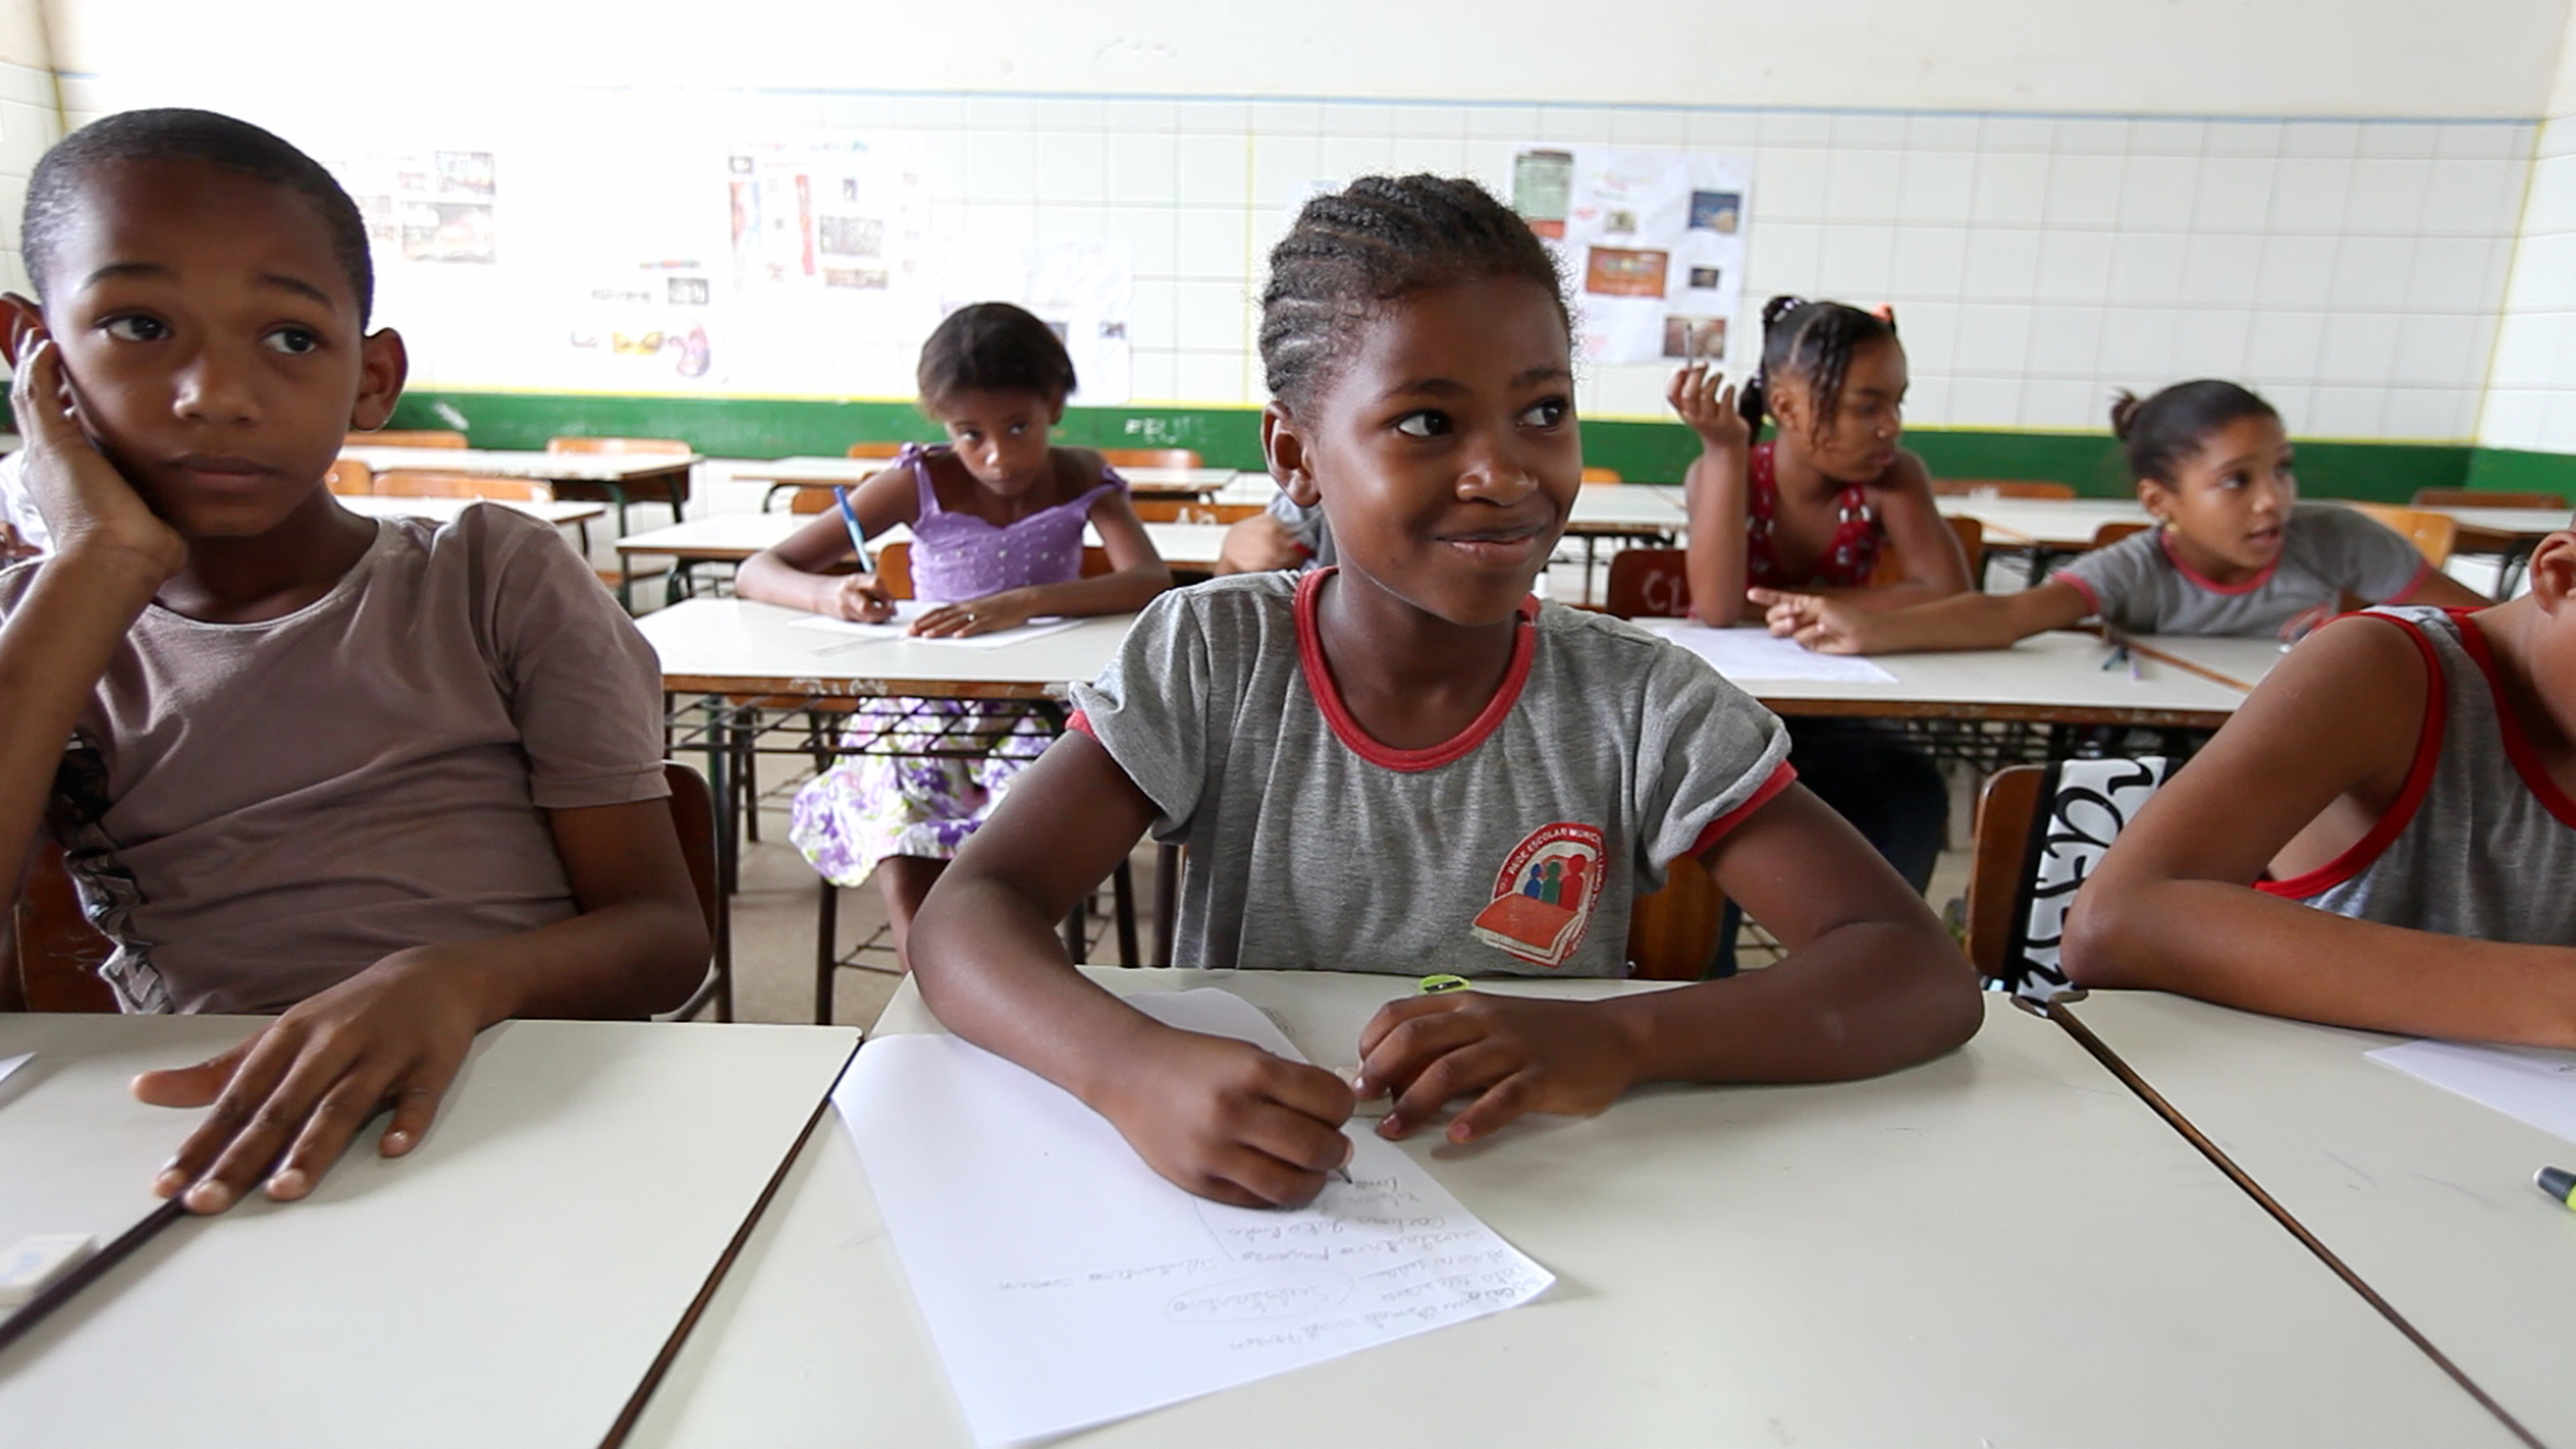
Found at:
[997, 517]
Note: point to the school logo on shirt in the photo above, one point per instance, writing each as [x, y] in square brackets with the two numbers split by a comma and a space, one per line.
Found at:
[1544, 896]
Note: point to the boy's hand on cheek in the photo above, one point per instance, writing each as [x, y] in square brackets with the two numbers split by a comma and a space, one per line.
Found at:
[1512, 1054]
[1229, 1121]
[294, 1095]
[85, 501]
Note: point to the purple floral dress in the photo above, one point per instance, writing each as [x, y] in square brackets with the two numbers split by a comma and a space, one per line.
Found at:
[923, 773]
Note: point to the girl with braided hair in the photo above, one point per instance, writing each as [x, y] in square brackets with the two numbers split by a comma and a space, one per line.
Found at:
[1813, 509]
[1404, 764]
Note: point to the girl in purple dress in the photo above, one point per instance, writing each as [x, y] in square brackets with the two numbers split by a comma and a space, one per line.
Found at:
[997, 518]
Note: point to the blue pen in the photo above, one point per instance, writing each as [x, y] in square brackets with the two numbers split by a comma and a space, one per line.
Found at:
[858, 535]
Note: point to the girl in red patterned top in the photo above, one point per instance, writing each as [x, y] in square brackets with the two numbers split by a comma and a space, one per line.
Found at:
[1814, 509]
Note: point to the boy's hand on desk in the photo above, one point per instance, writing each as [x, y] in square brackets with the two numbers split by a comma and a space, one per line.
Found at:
[980, 616]
[85, 501]
[1229, 1121]
[859, 599]
[1827, 626]
[1512, 1054]
[294, 1095]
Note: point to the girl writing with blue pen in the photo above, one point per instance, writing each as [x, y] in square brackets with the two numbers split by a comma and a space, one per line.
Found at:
[997, 518]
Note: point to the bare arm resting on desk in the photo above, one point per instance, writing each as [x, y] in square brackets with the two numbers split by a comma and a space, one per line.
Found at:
[1961, 621]
[1871, 983]
[1874, 984]
[2316, 755]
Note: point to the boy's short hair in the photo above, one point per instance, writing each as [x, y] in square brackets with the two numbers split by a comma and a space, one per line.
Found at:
[179, 134]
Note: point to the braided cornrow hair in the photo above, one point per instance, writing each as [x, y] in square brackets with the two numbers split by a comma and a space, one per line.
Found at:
[1815, 341]
[1377, 240]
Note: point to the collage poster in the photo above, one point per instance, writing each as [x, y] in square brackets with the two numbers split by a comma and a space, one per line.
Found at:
[1652, 243]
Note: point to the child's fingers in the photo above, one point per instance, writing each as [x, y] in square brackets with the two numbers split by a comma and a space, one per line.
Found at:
[191, 1086]
[1295, 1140]
[33, 394]
[328, 1129]
[1270, 1181]
[1401, 1010]
[248, 1127]
[1463, 1071]
[1311, 1093]
[1411, 1044]
[1513, 1096]
[416, 1104]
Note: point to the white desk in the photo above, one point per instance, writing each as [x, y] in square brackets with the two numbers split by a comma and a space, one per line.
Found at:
[1611, 508]
[813, 471]
[2425, 1196]
[2062, 524]
[2052, 678]
[2001, 1247]
[509, 1283]
[735, 646]
[733, 537]
[620, 468]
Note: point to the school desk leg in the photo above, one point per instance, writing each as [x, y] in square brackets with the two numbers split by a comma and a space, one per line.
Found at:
[1167, 900]
[1073, 931]
[1123, 890]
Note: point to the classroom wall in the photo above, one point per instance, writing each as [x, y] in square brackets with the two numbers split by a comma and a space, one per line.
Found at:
[2530, 405]
[2060, 198]
[29, 121]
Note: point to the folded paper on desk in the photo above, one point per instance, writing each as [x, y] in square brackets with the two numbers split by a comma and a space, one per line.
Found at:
[1067, 1284]
[2531, 1084]
[900, 627]
[1749, 653]
[11, 1064]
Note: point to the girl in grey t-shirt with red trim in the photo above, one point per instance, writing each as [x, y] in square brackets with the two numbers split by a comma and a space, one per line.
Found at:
[2234, 551]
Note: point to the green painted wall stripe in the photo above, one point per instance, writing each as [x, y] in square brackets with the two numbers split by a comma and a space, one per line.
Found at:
[1644, 452]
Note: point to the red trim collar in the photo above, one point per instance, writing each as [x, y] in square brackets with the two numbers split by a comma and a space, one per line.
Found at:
[2358, 856]
[2164, 537]
[1319, 681]
[2517, 745]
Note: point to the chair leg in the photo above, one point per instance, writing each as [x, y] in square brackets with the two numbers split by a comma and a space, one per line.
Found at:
[1073, 944]
[1123, 888]
[724, 959]
[826, 932]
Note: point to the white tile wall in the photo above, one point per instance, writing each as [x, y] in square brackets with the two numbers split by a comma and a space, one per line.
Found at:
[2530, 400]
[28, 124]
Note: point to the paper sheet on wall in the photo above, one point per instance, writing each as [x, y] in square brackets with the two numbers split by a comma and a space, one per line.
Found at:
[908, 610]
[2529, 1084]
[1747, 653]
[1653, 242]
[1068, 1285]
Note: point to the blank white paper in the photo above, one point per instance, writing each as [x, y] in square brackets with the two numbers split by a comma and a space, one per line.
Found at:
[1750, 653]
[2530, 1084]
[1066, 1284]
[900, 627]
[11, 1064]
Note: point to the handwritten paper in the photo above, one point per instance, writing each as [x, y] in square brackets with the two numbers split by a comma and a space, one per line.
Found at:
[900, 627]
[1752, 653]
[11, 1064]
[1067, 1284]
[2530, 1084]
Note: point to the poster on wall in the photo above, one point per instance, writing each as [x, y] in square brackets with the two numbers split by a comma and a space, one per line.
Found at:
[1084, 291]
[648, 328]
[1652, 242]
[426, 206]
[830, 261]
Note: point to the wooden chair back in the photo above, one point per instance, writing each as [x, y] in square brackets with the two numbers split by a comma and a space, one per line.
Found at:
[409, 438]
[350, 477]
[1149, 457]
[2000, 488]
[693, 817]
[2431, 533]
[810, 498]
[1972, 542]
[1672, 934]
[2111, 533]
[50, 955]
[1648, 583]
[417, 483]
[894, 567]
[2481, 498]
[1186, 510]
[657, 447]
[875, 450]
[1602, 475]
[1999, 872]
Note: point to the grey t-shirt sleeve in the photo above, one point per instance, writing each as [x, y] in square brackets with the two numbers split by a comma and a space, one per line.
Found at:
[1157, 704]
[2125, 583]
[1707, 753]
[581, 684]
[1305, 525]
[2359, 553]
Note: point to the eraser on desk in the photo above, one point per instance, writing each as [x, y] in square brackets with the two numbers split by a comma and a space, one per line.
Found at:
[32, 1264]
